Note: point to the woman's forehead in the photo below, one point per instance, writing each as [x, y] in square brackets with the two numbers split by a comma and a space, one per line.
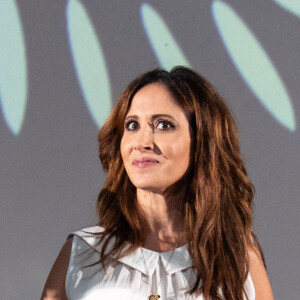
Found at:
[154, 98]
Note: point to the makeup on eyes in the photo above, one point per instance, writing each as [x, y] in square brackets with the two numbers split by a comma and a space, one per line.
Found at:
[160, 124]
[165, 122]
[156, 120]
[129, 123]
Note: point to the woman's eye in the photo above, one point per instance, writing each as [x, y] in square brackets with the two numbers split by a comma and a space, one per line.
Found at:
[131, 125]
[164, 125]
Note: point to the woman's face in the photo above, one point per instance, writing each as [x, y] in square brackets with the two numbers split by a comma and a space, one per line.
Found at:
[155, 147]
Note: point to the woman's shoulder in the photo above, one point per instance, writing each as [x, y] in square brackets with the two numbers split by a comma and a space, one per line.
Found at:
[89, 235]
[90, 238]
[259, 275]
[76, 241]
[55, 284]
[88, 232]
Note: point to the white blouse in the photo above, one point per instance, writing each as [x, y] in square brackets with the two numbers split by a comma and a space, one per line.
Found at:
[127, 277]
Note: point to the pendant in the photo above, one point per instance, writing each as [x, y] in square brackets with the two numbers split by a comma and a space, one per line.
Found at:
[153, 297]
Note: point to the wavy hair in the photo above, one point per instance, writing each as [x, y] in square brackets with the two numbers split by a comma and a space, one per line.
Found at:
[217, 209]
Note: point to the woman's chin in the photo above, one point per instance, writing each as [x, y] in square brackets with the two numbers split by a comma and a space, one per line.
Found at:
[148, 187]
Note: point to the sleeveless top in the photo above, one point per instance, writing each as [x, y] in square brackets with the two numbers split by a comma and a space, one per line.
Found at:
[127, 277]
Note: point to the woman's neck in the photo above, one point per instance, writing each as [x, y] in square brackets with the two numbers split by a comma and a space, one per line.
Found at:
[165, 219]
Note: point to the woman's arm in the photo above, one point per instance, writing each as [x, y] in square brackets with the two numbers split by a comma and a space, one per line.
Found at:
[55, 285]
[259, 275]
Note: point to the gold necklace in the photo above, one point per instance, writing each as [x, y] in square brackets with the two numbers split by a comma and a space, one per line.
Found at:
[152, 295]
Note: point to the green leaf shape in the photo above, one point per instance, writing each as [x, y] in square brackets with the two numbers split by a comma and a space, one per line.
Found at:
[292, 6]
[253, 64]
[89, 62]
[164, 45]
[13, 67]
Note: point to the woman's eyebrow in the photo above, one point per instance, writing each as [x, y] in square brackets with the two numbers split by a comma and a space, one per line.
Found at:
[156, 116]
[131, 117]
[163, 116]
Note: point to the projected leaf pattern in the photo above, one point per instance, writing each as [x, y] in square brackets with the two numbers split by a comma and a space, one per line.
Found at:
[89, 62]
[92, 74]
[253, 64]
[292, 6]
[13, 68]
[161, 39]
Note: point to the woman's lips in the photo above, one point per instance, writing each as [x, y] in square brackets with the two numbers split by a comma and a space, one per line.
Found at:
[145, 162]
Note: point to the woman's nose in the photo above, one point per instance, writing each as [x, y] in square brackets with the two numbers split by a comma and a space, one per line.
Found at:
[145, 139]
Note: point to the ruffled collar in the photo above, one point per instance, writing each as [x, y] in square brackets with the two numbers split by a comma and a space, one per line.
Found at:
[181, 258]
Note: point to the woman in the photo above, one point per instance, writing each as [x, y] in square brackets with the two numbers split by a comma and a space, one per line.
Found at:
[175, 211]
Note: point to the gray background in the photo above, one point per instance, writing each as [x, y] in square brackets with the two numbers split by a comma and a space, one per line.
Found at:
[50, 172]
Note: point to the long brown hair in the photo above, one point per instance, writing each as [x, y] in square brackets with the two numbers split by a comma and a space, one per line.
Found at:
[217, 208]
